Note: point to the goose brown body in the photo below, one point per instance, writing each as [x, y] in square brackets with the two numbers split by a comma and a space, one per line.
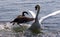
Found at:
[22, 19]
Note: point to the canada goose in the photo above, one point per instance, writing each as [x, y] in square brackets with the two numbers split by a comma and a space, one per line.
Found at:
[35, 27]
[22, 19]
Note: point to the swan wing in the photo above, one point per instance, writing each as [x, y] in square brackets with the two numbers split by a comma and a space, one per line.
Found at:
[44, 17]
[51, 14]
[32, 13]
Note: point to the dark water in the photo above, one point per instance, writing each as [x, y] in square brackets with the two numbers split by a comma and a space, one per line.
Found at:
[9, 9]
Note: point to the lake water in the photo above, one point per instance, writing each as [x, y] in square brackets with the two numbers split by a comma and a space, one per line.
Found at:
[10, 9]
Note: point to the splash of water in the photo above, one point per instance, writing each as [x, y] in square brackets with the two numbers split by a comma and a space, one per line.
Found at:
[7, 26]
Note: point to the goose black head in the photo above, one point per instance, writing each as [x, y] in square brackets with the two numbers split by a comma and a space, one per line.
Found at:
[24, 12]
[37, 7]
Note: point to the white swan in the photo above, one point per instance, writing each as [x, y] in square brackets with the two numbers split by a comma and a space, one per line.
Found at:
[35, 27]
[44, 17]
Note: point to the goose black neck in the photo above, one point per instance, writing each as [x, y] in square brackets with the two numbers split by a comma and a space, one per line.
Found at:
[23, 14]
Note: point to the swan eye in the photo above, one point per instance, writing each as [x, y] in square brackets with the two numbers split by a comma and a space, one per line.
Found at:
[35, 7]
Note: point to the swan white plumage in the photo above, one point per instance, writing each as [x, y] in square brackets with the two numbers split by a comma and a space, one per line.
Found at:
[44, 17]
[51, 14]
[32, 13]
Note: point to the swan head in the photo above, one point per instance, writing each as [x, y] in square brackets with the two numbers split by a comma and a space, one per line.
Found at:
[37, 7]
